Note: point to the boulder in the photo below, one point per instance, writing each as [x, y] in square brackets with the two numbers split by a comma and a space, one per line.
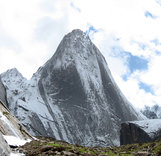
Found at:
[140, 131]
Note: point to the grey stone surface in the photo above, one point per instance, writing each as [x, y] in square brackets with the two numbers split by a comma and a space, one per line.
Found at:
[4, 147]
[37, 126]
[3, 93]
[140, 131]
[78, 81]
[10, 126]
[153, 112]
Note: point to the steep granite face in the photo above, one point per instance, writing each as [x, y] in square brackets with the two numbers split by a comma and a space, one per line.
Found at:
[73, 97]
[77, 82]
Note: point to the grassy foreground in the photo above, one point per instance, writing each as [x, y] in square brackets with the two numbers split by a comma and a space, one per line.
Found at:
[50, 147]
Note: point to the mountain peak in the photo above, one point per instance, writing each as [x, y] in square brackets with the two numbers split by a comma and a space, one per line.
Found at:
[75, 46]
[77, 32]
[77, 35]
[77, 80]
[13, 70]
[73, 96]
[12, 73]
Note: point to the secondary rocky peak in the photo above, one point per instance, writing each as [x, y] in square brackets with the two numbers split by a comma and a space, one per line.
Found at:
[12, 73]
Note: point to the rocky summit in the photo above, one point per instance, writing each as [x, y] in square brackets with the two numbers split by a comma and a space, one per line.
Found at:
[72, 97]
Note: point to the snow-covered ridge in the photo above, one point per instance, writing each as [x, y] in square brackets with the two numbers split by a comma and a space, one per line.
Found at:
[23, 94]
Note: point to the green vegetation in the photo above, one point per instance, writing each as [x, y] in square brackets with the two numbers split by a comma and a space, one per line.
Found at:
[38, 144]
[55, 145]
[48, 146]
[157, 149]
[5, 113]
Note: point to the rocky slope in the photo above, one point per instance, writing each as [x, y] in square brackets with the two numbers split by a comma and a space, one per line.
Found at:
[48, 146]
[12, 133]
[73, 97]
[4, 147]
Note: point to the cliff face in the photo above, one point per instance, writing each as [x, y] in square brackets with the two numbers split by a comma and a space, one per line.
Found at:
[3, 96]
[78, 82]
[140, 131]
[73, 97]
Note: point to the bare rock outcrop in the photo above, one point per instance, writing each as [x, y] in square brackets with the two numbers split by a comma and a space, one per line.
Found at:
[140, 131]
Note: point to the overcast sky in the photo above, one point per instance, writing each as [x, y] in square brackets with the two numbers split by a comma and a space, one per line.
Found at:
[127, 32]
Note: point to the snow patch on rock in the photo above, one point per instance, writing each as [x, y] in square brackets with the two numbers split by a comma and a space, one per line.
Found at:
[15, 141]
[149, 126]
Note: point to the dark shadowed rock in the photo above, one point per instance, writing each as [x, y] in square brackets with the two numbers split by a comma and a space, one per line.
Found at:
[3, 97]
[140, 131]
